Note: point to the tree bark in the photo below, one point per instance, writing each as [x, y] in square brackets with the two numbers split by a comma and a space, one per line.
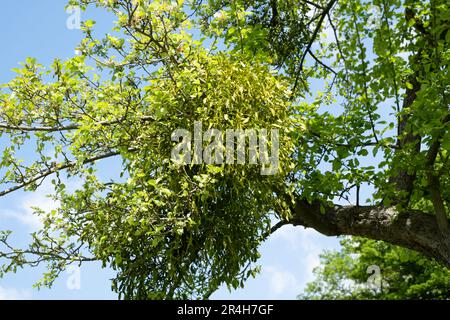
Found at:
[411, 229]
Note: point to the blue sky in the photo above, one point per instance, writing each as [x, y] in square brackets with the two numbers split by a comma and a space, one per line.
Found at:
[38, 29]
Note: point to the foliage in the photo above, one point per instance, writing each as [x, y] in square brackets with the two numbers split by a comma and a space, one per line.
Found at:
[404, 274]
[174, 231]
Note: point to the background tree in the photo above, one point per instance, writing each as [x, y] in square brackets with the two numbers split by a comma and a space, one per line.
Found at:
[378, 123]
[404, 274]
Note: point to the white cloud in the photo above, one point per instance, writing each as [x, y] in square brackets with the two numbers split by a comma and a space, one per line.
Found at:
[22, 207]
[25, 216]
[306, 244]
[311, 261]
[288, 234]
[298, 238]
[14, 294]
[281, 282]
[23, 211]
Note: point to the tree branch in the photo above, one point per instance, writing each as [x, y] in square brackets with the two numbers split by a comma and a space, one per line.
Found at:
[404, 181]
[62, 128]
[56, 168]
[434, 183]
[415, 230]
[324, 13]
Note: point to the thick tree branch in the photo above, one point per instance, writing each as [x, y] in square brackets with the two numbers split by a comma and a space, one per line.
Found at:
[413, 229]
[277, 226]
[403, 180]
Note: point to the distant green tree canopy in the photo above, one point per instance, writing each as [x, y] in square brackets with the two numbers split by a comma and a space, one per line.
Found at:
[404, 274]
[358, 91]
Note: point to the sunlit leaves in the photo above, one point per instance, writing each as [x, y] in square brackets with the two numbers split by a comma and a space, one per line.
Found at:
[333, 82]
[404, 274]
